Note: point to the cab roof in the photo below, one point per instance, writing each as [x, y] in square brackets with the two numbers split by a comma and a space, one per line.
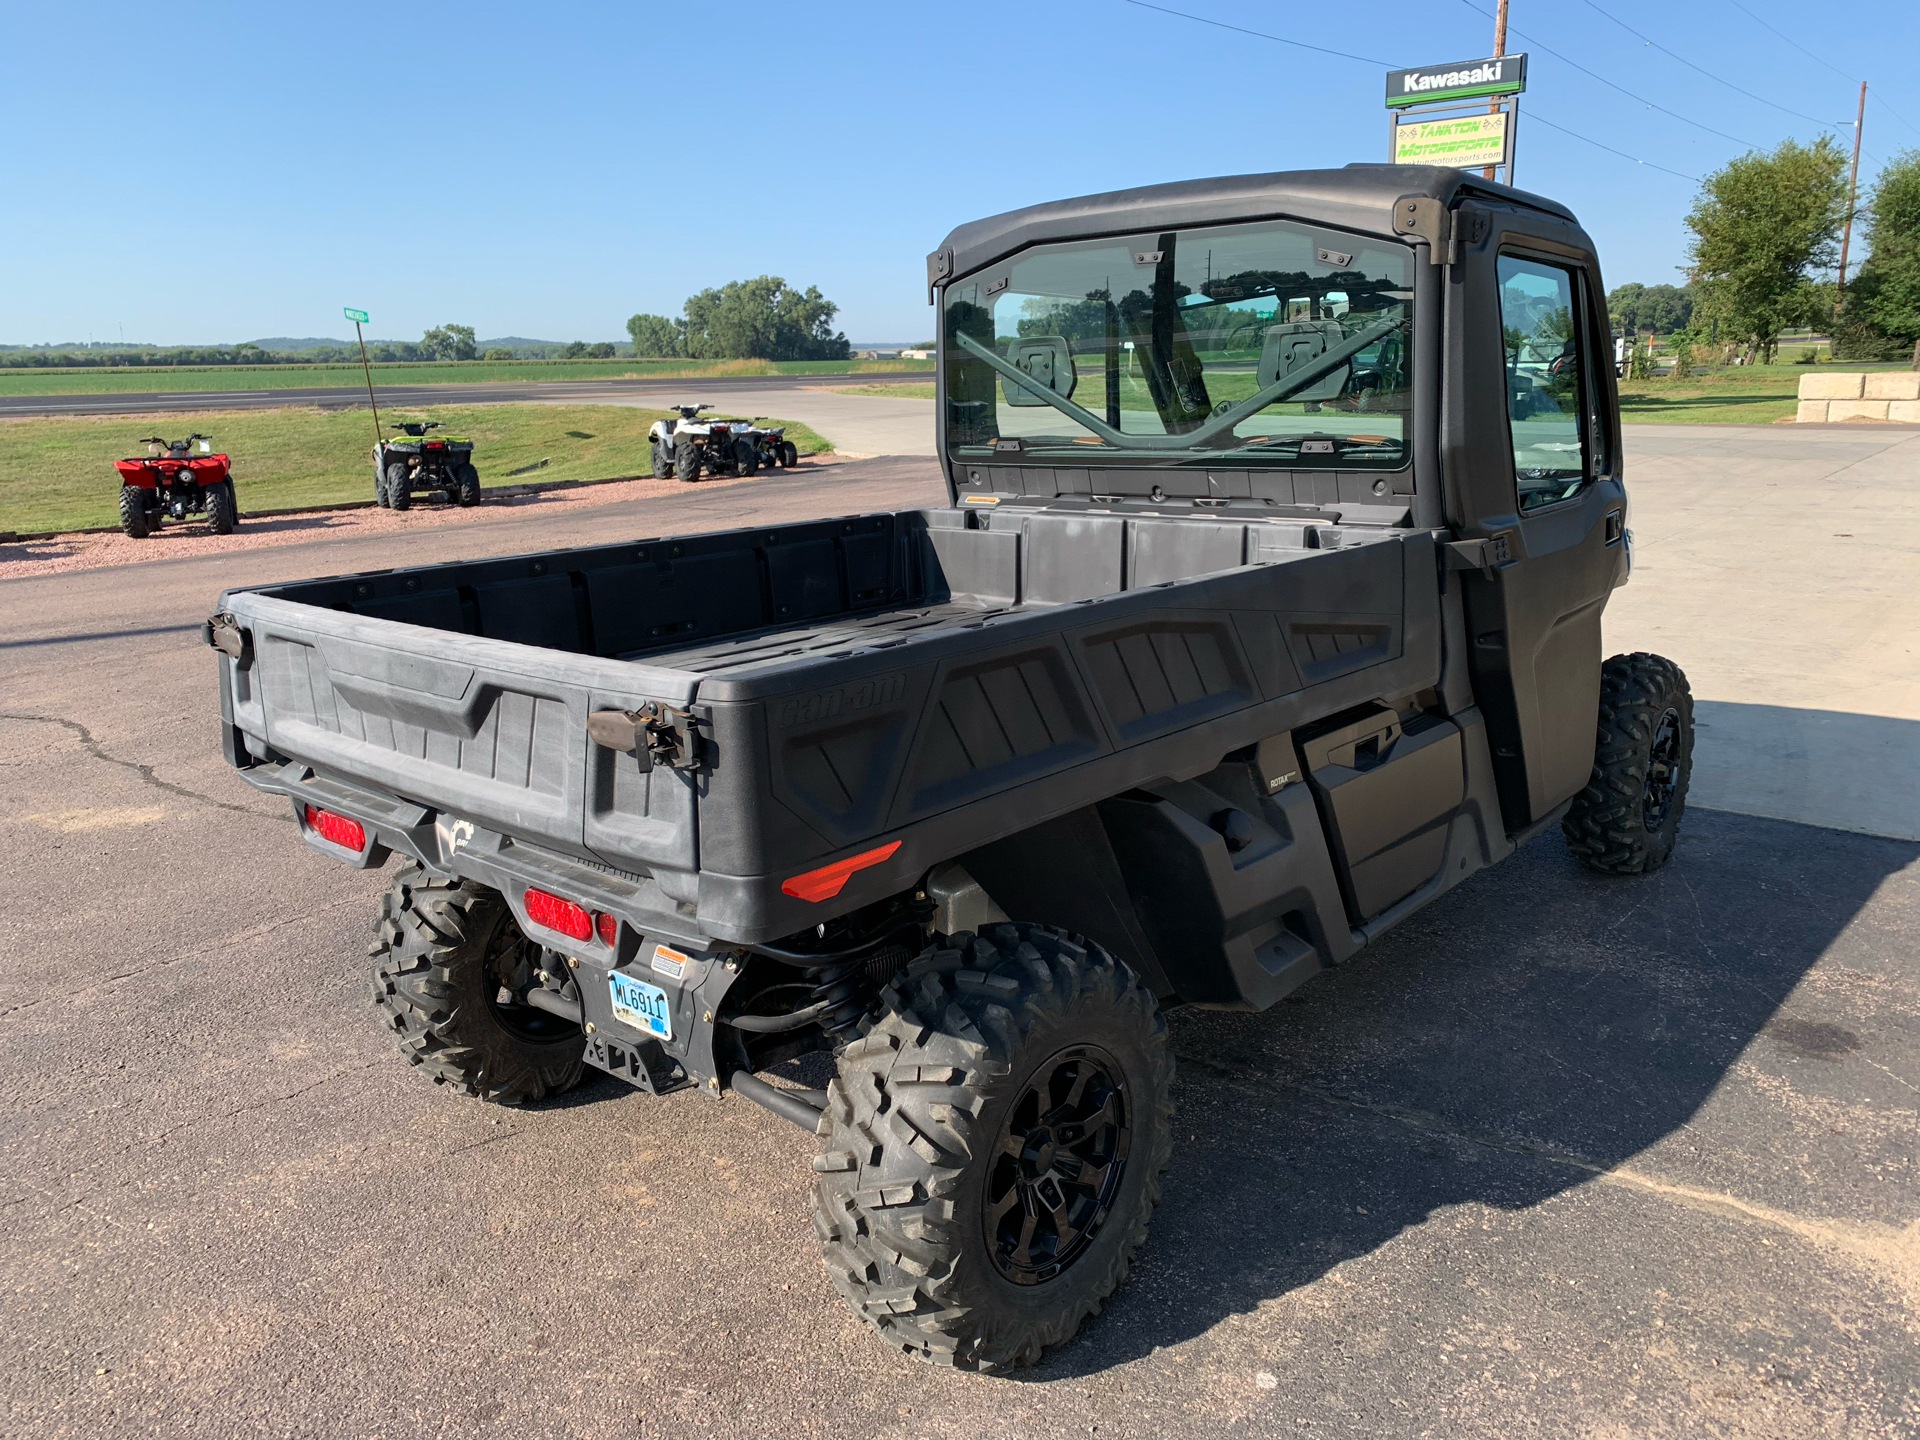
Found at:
[1358, 197]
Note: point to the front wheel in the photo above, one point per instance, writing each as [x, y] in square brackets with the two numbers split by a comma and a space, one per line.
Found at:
[222, 513]
[451, 969]
[399, 486]
[133, 511]
[1626, 820]
[996, 1139]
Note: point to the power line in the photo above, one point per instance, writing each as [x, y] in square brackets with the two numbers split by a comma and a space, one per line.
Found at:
[1872, 94]
[1645, 40]
[1611, 84]
[1389, 65]
[1261, 34]
[1533, 114]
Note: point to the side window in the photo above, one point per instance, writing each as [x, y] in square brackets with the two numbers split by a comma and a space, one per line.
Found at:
[1549, 391]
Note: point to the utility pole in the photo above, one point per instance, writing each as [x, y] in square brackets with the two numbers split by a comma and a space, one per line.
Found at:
[1853, 180]
[1499, 49]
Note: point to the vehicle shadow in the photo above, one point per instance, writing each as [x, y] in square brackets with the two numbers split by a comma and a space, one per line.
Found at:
[1538, 1024]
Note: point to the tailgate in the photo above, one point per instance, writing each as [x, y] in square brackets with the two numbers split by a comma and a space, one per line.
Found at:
[485, 730]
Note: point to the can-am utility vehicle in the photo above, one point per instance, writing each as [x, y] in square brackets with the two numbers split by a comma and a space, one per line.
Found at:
[686, 443]
[1189, 692]
[420, 463]
[173, 480]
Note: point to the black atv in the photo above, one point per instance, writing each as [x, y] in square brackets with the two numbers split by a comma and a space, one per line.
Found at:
[402, 467]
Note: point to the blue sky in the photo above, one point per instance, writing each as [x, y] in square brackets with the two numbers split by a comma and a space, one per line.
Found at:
[214, 172]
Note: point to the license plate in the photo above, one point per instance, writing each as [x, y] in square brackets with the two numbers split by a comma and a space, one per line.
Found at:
[641, 1005]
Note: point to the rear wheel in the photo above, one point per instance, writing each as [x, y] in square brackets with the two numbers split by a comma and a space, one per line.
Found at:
[1626, 821]
[662, 461]
[467, 477]
[686, 461]
[222, 512]
[789, 454]
[746, 458]
[133, 511]
[995, 1146]
[399, 486]
[448, 965]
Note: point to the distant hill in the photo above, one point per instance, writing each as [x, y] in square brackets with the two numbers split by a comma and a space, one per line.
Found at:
[510, 341]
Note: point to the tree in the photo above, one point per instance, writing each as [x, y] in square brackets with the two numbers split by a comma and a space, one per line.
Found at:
[498, 352]
[762, 319]
[1880, 314]
[655, 336]
[1637, 309]
[450, 342]
[1761, 225]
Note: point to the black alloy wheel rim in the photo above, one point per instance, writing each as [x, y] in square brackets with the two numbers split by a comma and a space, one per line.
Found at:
[510, 964]
[1052, 1178]
[1663, 770]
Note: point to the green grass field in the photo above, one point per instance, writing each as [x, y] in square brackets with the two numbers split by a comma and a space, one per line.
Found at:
[905, 390]
[185, 379]
[57, 473]
[1755, 395]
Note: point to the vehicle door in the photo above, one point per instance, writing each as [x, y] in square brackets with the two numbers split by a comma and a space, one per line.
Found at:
[1532, 455]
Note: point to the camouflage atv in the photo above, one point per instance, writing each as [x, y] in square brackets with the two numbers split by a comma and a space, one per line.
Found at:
[414, 463]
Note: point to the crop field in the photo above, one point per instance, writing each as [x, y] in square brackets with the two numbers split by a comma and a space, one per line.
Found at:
[184, 379]
[57, 473]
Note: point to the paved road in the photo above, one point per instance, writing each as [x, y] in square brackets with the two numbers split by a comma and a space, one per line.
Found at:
[1565, 1155]
[735, 388]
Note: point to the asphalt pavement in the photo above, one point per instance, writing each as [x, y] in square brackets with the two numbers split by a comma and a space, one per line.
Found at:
[570, 392]
[1563, 1155]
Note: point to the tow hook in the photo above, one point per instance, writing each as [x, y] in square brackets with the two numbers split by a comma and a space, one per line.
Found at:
[658, 733]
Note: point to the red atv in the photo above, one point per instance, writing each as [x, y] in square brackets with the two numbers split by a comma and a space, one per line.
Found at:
[174, 479]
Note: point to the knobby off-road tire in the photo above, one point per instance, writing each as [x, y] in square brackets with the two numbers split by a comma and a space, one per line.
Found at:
[940, 1146]
[789, 454]
[379, 487]
[1626, 820]
[686, 461]
[467, 486]
[399, 487]
[662, 460]
[746, 458]
[133, 512]
[222, 512]
[442, 948]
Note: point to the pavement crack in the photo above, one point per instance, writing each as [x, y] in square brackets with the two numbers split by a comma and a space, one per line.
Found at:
[145, 772]
[1890, 1251]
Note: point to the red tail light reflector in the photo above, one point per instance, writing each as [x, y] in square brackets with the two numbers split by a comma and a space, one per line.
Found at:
[348, 834]
[608, 926]
[557, 914]
[829, 880]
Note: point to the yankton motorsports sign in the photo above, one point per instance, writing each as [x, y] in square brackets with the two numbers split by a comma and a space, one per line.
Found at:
[1460, 80]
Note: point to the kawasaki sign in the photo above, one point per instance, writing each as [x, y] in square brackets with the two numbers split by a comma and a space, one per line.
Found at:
[1461, 80]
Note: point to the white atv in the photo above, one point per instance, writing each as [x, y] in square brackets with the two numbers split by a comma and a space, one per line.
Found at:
[685, 446]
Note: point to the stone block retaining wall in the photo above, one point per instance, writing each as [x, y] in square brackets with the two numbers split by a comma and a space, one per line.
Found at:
[1882, 395]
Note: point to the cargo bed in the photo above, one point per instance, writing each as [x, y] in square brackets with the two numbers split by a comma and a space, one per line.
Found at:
[844, 684]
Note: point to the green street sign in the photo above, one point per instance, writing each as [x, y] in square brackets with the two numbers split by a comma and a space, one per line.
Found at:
[359, 316]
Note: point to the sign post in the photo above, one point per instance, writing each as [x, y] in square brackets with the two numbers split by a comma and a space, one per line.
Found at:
[358, 317]
[1465, 113]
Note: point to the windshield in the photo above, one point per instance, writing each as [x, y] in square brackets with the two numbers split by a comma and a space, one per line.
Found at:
[1262, 345]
